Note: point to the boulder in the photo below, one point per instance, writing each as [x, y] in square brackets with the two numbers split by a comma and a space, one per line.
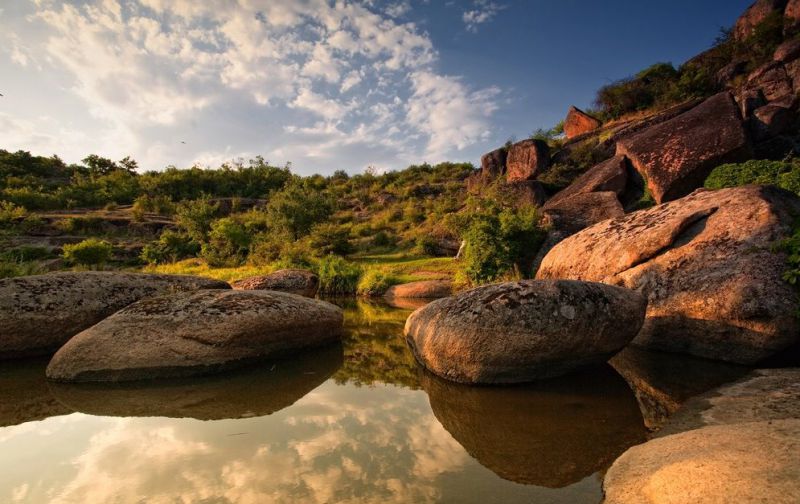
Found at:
[676, 156]
[521, 331]
[40, 313]
[522, 434]
[527, 192]
[192, 333]
[663, 382]
[430, 289]
[745, 463]
[579, 122]
[243, 393]
[610, 175]
[771, 120]
[763, 395]
[574, 213]
[493, 164]
[294, 281]
[527, 160]
[789, 50]
[755, 15]
[707, 265]
[792, 11]
[772, 80]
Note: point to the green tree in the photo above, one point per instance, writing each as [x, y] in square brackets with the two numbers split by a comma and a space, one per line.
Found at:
[295, 209]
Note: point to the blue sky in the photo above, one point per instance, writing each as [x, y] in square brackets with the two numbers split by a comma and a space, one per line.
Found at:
[325, 85]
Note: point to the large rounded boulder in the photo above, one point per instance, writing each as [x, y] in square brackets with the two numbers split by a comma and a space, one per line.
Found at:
[40, 313]
[522, 331]
[707, 264]
[293, 281]
[196, 333]
[423, 289]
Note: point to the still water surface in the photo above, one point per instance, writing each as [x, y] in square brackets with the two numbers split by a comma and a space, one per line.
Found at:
[353, 423]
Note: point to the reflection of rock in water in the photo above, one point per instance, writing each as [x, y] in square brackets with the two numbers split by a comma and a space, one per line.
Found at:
[24, 395]
[662, 381]
[250, 392]
[407, 303]
[551, 433]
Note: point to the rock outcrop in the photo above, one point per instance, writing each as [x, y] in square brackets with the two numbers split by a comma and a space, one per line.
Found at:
[707, 266]
[527, 160]
[522, 331]
[755, 15]
[610, 175]
[676, 156]
[551, 433]
[40, 313]
[194, 333]
[493, 164]
[745, 463]
[294, 281]
[579, 122]
[426, 289]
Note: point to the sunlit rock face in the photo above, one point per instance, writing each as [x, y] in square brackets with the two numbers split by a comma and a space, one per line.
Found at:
[24, 394]
[40, 313]
[550, 434]
[253, 392]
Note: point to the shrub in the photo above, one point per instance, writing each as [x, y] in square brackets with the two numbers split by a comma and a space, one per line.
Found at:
[10, 214]
[337, 276]
[382, 239]
[195, 217]
[89, 252]
[375, 282]
[228, 243]
[331, 239]
[170, 247]
[26, 254]
[427, 245]
[785, 175]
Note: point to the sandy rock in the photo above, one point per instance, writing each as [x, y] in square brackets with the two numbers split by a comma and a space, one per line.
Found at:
[194, 333]
[762, 395]
[745, 463]
[521, 331]
[430, 289]
[294, 281]
[579, 122]
[551, 433]
[676, 156]
[706, 264]
[40, 313]
[527, 160]
[610, 175]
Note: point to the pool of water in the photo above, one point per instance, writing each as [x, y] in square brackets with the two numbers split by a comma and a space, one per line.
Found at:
[360, 422]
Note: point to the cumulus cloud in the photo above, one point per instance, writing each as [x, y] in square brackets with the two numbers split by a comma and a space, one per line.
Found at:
[148, 70]
[482, 12]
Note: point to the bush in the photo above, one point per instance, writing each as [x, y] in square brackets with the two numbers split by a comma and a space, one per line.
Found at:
[195, 217]
[382, 239]
[337, 276]
[89, 252]
[11, 214]
[331, 239]
[375, 283]
[228, 243]
[170, 247]
[428, 245]
[26, 254]
[785, 175]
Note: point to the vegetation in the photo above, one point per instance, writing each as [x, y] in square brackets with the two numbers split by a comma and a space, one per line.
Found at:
[89, 252]
[783, 174]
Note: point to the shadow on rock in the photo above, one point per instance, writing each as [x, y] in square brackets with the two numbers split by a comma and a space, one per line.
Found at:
[551, 433]
[662, 382]
[251, 392]
[24, 395]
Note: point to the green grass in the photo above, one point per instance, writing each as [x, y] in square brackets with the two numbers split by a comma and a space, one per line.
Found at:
[199, 267]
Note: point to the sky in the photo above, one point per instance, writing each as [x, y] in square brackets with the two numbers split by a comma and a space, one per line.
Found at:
[322, 84]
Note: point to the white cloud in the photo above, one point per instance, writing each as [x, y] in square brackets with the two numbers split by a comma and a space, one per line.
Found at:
[483, 11]
[398, 9]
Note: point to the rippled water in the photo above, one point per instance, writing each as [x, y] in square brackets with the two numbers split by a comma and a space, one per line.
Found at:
[353, 423]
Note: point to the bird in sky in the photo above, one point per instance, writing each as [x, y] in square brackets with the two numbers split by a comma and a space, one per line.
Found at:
[183, 142]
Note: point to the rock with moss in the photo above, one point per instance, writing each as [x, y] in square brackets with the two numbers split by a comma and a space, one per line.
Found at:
[294, 281]
[707, 264]
[40, 313]
[194, 333]
[523, 331]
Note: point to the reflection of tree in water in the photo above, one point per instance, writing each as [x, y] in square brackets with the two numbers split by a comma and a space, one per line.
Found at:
[374, 348]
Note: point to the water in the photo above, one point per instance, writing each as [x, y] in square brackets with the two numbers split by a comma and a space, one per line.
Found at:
[353, 423]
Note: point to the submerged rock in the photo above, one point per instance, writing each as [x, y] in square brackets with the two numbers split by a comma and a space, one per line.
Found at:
[252, 392]
[521, 331]
[753, 462]
[676, 156]
[195, 333]
[424, 289]
[551, 433]
[707, 265]
[294, 281]
[40, 313]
